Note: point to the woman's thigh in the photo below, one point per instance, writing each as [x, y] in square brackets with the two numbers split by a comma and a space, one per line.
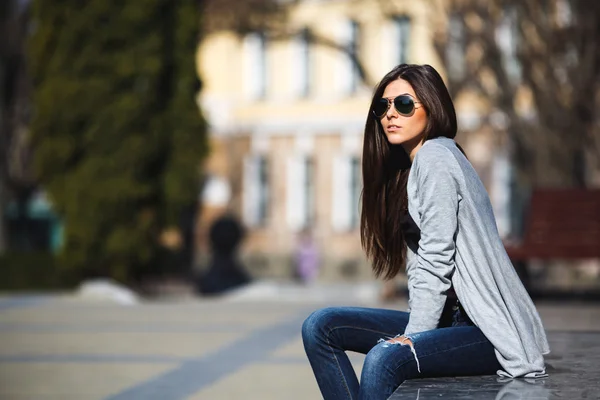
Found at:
[455, 351]
[354, 328]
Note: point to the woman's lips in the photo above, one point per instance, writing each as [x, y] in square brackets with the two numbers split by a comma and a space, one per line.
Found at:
[393, 128]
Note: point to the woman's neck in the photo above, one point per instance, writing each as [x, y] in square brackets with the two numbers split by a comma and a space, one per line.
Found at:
[412, 147]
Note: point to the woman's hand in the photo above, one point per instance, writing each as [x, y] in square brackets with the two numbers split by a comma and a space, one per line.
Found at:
[400, 340]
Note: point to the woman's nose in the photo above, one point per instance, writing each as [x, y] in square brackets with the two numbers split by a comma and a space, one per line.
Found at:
[391, 111]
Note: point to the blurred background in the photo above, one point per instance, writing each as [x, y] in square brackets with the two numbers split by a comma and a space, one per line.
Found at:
[156, 153]
[195, 146]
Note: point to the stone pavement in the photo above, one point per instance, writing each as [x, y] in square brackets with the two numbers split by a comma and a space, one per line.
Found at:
[245, 346]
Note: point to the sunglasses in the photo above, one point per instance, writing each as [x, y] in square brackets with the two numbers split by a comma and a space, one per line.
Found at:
[404, 104]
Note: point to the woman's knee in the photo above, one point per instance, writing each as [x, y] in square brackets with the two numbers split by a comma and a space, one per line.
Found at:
[318, 324]
[384, 365]
[378, 359]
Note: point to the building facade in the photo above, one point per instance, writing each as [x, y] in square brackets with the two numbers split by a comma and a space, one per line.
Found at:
[286, 119]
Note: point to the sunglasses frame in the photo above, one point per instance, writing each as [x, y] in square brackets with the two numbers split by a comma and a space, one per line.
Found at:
[392, 100]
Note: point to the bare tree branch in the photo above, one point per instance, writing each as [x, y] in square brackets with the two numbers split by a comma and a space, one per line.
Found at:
[558, 65]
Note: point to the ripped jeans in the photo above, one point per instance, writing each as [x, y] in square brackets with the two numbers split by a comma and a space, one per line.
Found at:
[456, 348]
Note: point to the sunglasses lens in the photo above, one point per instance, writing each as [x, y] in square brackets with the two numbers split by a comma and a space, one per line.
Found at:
[404, 104]
[380, 107]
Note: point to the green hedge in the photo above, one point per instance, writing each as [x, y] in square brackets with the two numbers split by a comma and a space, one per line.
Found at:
[31, 271]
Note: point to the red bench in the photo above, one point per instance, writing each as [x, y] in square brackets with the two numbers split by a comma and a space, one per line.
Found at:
[560, 224]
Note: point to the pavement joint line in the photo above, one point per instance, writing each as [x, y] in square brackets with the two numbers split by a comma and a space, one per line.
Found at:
[131, 358]
[90, 358]
[196, 374]
[7, 327]
[21, 301]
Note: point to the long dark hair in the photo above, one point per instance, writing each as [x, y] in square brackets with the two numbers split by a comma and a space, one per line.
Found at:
[385, 168]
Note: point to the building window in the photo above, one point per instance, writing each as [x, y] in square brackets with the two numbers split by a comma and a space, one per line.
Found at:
[255, 69]
[300, 192]
[402, 27]
[347, 76]
[301, 56]
[256, 190]
[347, 186]
[353, 49]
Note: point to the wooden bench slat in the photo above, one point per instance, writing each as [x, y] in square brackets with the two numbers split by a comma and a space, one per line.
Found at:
[561, 223]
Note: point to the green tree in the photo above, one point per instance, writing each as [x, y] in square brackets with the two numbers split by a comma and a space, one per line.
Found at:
[117, 133]
[16, 179]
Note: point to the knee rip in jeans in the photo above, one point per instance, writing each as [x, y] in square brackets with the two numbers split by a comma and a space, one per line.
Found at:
[402, 341]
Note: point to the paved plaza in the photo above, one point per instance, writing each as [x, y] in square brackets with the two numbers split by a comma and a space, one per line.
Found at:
[245, 346]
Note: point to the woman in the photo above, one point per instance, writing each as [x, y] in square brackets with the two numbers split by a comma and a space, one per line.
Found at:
[425, 207]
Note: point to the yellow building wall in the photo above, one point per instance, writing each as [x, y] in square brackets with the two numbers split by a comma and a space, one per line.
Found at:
[326, 114]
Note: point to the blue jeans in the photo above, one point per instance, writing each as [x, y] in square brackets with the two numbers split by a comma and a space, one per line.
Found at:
[456, 348]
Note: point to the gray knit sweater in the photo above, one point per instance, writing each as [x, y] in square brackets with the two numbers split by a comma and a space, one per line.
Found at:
[460, 246]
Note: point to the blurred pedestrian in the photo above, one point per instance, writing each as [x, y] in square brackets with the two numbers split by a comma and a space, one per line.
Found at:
[306, 258]
[425, 207]
[225, 272]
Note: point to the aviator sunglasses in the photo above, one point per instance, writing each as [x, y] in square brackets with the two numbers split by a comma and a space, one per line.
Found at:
[404, 104]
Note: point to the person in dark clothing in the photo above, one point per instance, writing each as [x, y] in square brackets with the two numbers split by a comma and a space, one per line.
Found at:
[225, 272]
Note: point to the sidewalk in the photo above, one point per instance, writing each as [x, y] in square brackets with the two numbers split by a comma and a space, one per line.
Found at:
[245, 346]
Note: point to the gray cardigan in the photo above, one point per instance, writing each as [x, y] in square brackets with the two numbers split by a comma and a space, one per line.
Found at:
[460, 246]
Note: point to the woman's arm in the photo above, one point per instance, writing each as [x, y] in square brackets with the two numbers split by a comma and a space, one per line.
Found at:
[411, 268]
[438, 200]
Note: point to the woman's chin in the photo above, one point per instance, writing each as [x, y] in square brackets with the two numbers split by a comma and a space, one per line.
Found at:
[395, 139]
